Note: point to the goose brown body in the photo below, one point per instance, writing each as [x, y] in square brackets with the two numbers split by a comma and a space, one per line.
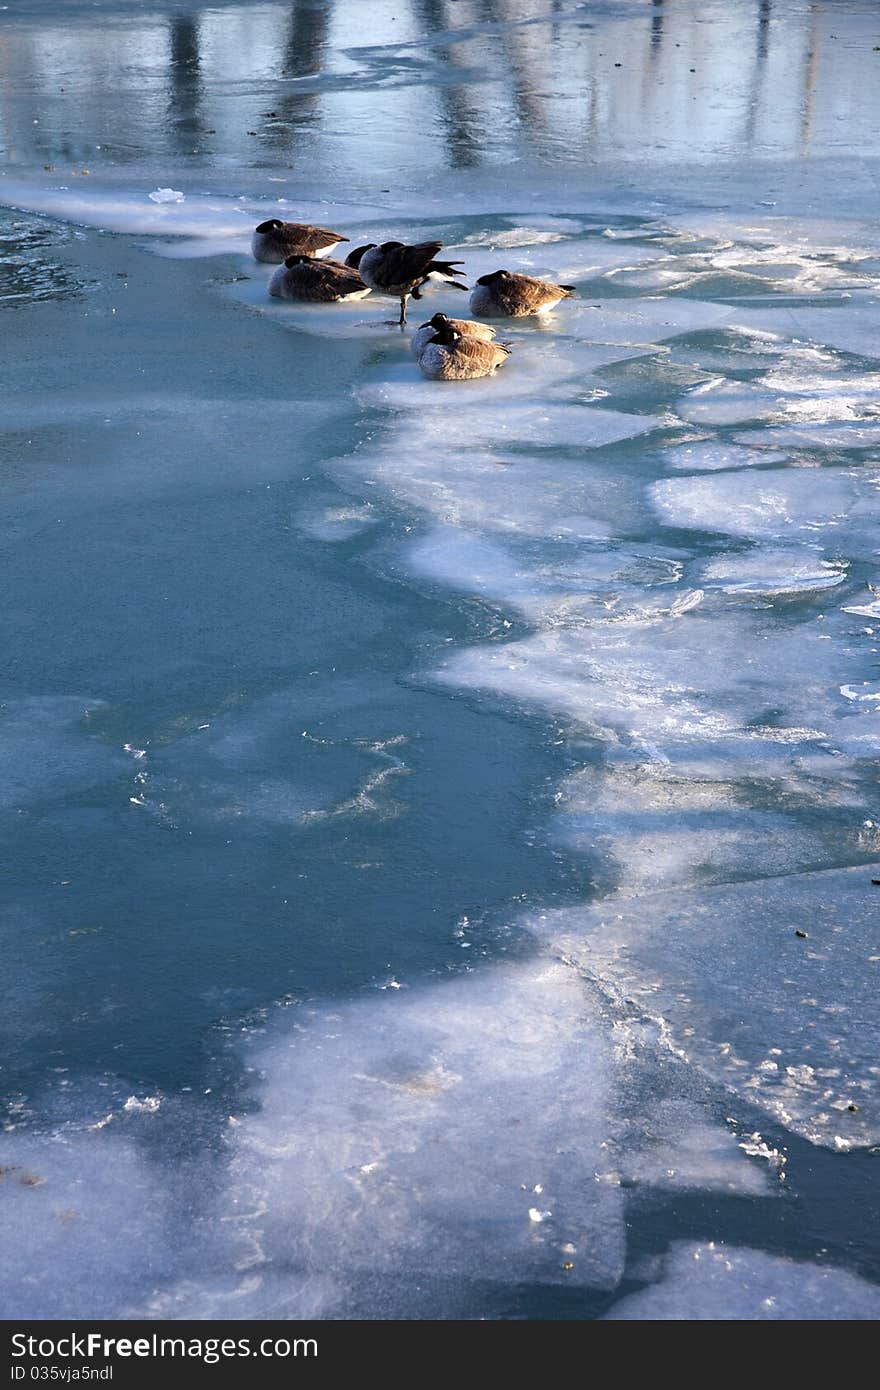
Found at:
[274, 241]
[506, 294]
[320, 282]
[450, 356]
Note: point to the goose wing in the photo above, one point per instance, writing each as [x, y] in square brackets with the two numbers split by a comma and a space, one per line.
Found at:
[482, 353]
[313, 239]
[302, 239]
[324, 281]
[536, 293]
[404, 265]
[470, 328]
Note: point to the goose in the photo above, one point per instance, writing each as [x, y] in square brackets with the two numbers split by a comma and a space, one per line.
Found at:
[274, 241]
[508, 295]
[468, 328]
[324, 282]
[450, 356]
[400, 271]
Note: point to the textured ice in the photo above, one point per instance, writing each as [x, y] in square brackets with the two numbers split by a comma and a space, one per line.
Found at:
[631, 321]
[851, 328]
[549, 255]
[772, 570]
[780, 398]
[195, 214]
[406, 1133]
[262, 767]
[706, 456]
[648, 672]
[523, 493]
[337, 523]
[65, 1201]
[848, 434]
[805, 1049]
[551, 425]
[410, 1135]
[48, 750]
[715, 814]
[552, 371]
[399, 1137]
[678, 1151]
[838, 505]
[716, 1282]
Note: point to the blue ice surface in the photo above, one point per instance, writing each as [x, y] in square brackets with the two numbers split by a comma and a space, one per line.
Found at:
[438, 821]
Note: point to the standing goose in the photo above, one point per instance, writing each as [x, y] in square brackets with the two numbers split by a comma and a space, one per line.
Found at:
[400, 271]
[450, 356]
[322, 282]
[274, 241]
[507, 295]
[468, 328]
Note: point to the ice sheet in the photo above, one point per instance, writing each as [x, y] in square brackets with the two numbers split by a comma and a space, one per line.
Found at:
[805, 1051]
[717, 1282]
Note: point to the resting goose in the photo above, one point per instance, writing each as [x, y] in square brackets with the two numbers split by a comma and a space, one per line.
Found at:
[322, 282]
[450, 356]
[508, 295]
[400, 271]
[274, 241]
[468, 328]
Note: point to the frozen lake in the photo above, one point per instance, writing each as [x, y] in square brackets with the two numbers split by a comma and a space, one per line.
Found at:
[440, 823]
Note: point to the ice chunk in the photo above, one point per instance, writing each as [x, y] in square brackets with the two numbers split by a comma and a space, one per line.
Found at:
[680, 1151]
[802, 503]
[550, 425]
[633, 669]
[642, 320]
[845, 434]
[663, 824]
[706, 456]
[65, 1204]
[166, 195]
[782, 398]
[772, 570]
[337, 523]
[399, 1133]
[716, 1282]
[692, 957]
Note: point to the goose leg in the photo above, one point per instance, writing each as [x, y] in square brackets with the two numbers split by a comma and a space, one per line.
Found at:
[403, 311]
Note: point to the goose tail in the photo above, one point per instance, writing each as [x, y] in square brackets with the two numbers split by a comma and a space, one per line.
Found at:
[452, 284]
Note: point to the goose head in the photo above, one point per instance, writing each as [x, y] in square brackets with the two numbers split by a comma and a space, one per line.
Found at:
[353, 259]
[446, 335]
